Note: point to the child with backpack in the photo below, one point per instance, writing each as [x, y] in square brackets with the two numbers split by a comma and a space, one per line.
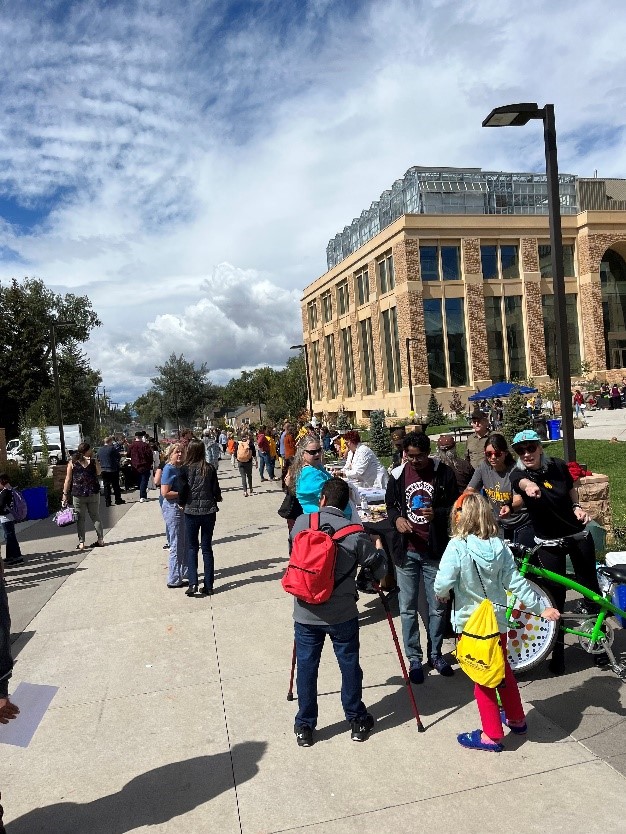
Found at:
[477, 565]
[11, 510]
[326, 551]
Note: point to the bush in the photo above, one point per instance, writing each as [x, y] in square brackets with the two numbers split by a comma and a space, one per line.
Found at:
[516, 416]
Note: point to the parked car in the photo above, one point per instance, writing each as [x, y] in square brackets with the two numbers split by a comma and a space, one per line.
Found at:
[54, 455]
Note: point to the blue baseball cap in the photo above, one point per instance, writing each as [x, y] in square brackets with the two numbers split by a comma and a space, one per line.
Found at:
[526, 436]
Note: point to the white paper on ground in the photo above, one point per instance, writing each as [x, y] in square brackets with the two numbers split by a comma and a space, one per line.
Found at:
[33, 700]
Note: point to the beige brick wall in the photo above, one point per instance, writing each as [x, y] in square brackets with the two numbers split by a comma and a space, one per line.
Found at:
[535, 337]
[378, 347]
[591, 248]
[471, 255]
[529, 254]
[406, 260]
[479, 356]
[593, 325]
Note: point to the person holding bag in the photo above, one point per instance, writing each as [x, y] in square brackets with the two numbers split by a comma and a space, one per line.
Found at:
[477, 565]
[82, 482]
[246, 455]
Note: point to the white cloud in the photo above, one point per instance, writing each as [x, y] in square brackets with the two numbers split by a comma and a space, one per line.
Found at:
[190, 137]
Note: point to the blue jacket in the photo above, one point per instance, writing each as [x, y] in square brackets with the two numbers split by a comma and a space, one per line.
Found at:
[497, 570]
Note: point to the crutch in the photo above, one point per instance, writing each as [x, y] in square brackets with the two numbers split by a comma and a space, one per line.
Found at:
[293, 669]
[405, 675]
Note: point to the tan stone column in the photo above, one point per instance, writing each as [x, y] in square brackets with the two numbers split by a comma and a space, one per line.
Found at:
[534, 331]
[591, 249]
[475, 302]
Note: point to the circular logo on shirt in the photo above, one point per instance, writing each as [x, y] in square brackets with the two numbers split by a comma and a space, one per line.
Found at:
[419, 496]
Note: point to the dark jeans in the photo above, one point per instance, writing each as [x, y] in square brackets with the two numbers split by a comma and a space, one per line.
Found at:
[203, 525]
[13, 547]
[309, 645]
[111, 481]
[245, 470]
[143, 478]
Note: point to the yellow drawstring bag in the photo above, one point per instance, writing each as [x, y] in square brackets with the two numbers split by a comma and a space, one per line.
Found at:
[478, 650]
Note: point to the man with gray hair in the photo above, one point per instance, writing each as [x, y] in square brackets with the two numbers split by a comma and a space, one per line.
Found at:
[446, 452]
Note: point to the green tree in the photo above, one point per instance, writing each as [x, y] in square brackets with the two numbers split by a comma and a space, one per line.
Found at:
[342, 420]
[435, 415]
[185, 388]
[516, 415]
[287, 395]
[26, 310]
[26, 443]
[456, 403]
[380, 440]
[148, 408]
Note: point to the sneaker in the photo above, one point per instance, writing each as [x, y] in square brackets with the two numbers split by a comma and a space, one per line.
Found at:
[121, 501]
[141, 500]
[304, 735]
[416, 673]
[362, 727]
[442, 666]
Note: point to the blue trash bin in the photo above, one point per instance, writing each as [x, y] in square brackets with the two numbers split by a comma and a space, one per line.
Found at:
[554, 429]
[619, 599]
[36, 501]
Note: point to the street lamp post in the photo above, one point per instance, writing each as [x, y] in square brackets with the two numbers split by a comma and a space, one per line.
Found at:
[516, 115]
[308, 375]
[57, 386]
[410, 339]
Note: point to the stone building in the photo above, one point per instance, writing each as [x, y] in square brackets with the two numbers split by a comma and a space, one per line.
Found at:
[457, 261]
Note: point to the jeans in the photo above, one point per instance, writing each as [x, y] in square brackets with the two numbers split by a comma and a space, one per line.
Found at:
[143, 478]
[13, 547]
[309, 645]
[264, 460]
[245, 470]
[91, 505]
[415, 566]
[111, 481]
[203, 525]
[175, 526]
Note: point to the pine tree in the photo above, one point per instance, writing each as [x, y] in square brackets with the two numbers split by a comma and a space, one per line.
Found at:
[380, 441]
[342, 420]
[456, 403]
[516, 416]
[435, 415]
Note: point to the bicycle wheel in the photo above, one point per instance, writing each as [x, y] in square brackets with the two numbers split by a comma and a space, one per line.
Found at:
[530, 638]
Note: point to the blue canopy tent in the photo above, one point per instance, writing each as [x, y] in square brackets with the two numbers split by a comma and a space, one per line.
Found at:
[501, 389]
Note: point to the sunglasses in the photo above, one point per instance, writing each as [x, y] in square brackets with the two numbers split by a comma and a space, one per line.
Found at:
[445, 448]
[312, 451]
[495, 454]
[527, 448]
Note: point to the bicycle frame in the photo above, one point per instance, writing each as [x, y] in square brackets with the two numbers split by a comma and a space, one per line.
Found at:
[606, 605]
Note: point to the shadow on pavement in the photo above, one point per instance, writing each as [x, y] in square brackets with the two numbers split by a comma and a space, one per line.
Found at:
[19, 640]
[154, 798]
[248, 567]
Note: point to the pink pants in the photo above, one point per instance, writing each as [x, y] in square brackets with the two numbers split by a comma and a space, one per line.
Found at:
[488, 703]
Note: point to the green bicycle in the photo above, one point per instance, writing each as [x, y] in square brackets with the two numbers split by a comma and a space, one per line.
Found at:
[531, 639]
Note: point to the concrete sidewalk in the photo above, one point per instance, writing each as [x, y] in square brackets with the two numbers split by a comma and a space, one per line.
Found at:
[171, 714]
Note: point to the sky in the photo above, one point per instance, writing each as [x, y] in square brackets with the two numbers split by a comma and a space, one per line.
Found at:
[185, 164]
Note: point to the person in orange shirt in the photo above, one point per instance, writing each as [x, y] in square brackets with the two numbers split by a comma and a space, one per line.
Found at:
[231, 448]
[288, 442]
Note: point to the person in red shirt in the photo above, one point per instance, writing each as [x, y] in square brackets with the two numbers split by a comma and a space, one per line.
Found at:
[140, 453]
[263, 447]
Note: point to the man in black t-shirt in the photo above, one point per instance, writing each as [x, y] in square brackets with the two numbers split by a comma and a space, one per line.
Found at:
[419, 497]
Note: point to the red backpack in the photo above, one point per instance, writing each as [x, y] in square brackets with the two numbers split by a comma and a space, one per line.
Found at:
[310, 574]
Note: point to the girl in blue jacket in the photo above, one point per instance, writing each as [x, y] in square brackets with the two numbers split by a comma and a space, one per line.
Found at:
[476, 553]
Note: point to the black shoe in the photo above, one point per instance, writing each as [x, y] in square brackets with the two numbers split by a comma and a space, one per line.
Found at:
[416, 673]
[362, 727]
[107, 503]
[208, 592]
[176, 585]
[442, 666]
[191, 590]
[557, 662]
[121, 501]
[304, 735]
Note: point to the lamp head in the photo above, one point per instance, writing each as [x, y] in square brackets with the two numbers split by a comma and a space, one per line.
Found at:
[513, 115]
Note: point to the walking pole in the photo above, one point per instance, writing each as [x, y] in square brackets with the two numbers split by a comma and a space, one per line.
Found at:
[293, 669]
[405, 675]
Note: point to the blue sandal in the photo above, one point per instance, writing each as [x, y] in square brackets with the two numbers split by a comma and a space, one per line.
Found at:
[520, 730]
[473, 741]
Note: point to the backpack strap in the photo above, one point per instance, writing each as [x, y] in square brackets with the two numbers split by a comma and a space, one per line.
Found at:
[314, 521]
[339, 536]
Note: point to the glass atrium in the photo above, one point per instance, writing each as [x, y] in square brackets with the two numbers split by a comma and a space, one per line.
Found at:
[451, 191]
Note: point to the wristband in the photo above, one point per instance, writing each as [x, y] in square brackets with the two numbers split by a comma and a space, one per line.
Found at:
[576, 505]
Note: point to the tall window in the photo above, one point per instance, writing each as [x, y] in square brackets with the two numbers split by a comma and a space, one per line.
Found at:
[327, 307]
[446, 346]
[544, 252]
[363, 287]
[312, 314]
[500, 261]
[386, 274]
[549, 329]
[435, 351]
[495, 338]
[613, 285]
[367, 352]
[391, 341]
[439, 263]
[505, 337]
[331, 367]
[317, 371]
[342, 298]
[348, 363]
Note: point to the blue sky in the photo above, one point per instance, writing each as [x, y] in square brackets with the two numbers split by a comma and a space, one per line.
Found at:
[185, 164]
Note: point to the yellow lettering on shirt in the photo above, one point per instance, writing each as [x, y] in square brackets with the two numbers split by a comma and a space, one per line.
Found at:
[548, 485]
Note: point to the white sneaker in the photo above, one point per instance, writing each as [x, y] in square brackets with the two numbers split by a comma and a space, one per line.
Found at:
[141, 500]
